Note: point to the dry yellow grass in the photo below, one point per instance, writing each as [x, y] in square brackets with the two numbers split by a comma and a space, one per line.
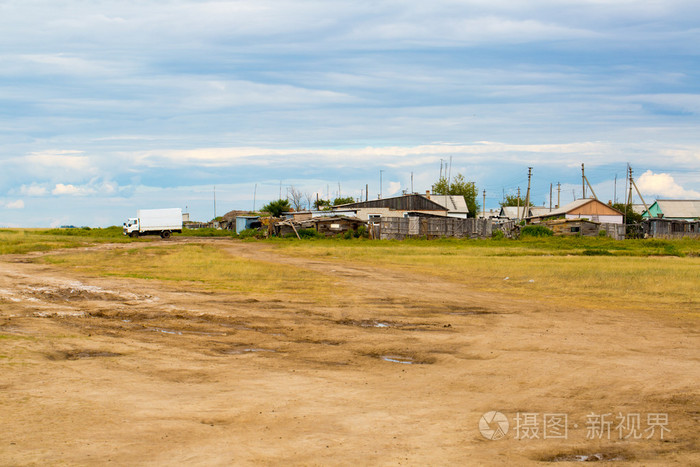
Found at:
[199, 265]
[651, 283]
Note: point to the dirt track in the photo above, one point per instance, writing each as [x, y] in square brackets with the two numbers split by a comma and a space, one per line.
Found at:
[398, 369]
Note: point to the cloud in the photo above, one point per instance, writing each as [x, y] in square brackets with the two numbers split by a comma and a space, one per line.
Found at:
[104, 188]
[33, 190]
[19, 204]
[664, 186]
[394, 187]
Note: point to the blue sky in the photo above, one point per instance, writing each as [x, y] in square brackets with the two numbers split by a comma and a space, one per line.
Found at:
[111, 106]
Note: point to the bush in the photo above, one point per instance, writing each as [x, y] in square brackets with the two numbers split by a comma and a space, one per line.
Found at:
[251, 233]
[596, 253]
[309, 233]
[497, 235]
[602, 233]
[535, 231]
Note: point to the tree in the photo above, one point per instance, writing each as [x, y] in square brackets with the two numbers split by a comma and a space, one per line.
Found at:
[276, 208]
[296, 198]
[345, 200]
[514, 200]
[626, 210]
[322, 204]
[459, 186]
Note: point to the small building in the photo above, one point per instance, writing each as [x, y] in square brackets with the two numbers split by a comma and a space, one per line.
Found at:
[400, 206]
[670, 228]
[676, 209]
[247, 222]
[328, 226]
[585, 208]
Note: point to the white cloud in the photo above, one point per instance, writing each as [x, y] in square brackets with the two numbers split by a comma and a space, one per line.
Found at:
[62, 189]
[33, 190]
[663, 185]
[394, 187]
[94, 187]
[19, 204]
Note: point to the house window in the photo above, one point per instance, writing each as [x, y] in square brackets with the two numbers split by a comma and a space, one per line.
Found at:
[374, 218]
[575, 229]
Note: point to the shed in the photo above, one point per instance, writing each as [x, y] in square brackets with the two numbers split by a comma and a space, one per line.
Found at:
[247, 222]
[678, 209]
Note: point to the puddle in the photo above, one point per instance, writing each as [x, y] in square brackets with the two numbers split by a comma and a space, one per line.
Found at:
[595, 457]
[80, 354]
[471, 313]
[245, 351]
[90, 354]
[365, 323]
[395, 359]
[166, 331]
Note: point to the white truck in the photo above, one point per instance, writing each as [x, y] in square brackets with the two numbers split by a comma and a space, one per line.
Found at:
[161, 222]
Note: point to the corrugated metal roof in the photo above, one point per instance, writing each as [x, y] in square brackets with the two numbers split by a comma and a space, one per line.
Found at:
[398, 203]
[570, 207]
[679, 208]
[453, 203]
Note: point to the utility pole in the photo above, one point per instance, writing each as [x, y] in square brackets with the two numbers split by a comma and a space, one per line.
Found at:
[586, 182]
[440, 169]
[558, 195]
[483, 207]
[638, 193]
[527, 196]
[366, 191]
[583, 182]
[550, 197]
[412, 183]
[629, 196]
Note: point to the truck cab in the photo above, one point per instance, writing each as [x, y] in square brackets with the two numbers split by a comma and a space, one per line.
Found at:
[131, 227]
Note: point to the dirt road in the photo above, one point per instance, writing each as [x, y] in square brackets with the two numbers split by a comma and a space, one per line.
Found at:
[397, 369]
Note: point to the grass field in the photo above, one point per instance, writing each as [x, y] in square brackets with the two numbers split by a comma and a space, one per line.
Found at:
[636, 274]
[588, 272]
[199, 265]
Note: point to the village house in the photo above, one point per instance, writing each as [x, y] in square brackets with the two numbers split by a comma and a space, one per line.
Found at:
[405, 206]
[675, 209]
[585, 208]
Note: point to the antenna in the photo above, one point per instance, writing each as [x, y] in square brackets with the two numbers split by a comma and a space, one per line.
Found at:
[380, 183]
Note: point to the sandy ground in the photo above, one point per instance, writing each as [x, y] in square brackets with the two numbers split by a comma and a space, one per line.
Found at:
[398, 369]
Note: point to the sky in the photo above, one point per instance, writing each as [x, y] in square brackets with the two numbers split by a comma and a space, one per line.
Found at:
[108, 106]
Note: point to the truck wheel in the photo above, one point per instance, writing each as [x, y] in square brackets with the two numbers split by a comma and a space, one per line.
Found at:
[165, 234]
[134, 235]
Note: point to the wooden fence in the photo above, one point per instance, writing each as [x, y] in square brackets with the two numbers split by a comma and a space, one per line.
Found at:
[398, 228]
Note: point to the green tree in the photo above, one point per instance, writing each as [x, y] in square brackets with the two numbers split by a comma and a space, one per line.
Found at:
[321, 204]
[276, 208]
[513, 200]
[459, 186]
[626, 210]
[345, 200]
